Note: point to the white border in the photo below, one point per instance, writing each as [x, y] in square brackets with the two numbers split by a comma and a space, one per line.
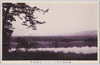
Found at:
[51, 61]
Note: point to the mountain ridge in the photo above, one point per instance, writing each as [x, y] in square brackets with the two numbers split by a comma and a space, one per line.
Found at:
[85, 33]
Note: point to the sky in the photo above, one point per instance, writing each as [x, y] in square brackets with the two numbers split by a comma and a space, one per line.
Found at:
[62, 19]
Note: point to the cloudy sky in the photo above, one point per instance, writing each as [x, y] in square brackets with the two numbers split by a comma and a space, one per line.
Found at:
[62, 19]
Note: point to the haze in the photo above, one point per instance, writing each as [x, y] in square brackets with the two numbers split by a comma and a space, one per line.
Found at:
[62, 19]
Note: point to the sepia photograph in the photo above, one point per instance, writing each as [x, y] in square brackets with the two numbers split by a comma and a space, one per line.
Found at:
[50, 31]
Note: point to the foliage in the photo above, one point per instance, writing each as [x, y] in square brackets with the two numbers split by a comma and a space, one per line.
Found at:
[22, 42]
[47, 55]
[10, 10]
[58, 41]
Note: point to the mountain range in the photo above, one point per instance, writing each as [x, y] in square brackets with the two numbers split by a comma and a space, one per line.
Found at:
[85, 33]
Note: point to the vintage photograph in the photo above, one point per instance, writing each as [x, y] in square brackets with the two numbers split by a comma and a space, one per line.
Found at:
[50, 30]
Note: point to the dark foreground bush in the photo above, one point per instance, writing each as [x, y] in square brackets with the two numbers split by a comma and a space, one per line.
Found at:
[46, 55]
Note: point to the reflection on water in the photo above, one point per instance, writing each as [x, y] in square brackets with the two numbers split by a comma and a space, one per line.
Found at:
[77, 50]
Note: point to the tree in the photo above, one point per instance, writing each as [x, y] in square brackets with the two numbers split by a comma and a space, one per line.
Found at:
[10, 10]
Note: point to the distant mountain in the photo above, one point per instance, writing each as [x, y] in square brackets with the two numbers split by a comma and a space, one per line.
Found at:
[82, 33]
[85, 33]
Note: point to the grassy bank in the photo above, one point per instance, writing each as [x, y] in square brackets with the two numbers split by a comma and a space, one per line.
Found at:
[46, 55]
